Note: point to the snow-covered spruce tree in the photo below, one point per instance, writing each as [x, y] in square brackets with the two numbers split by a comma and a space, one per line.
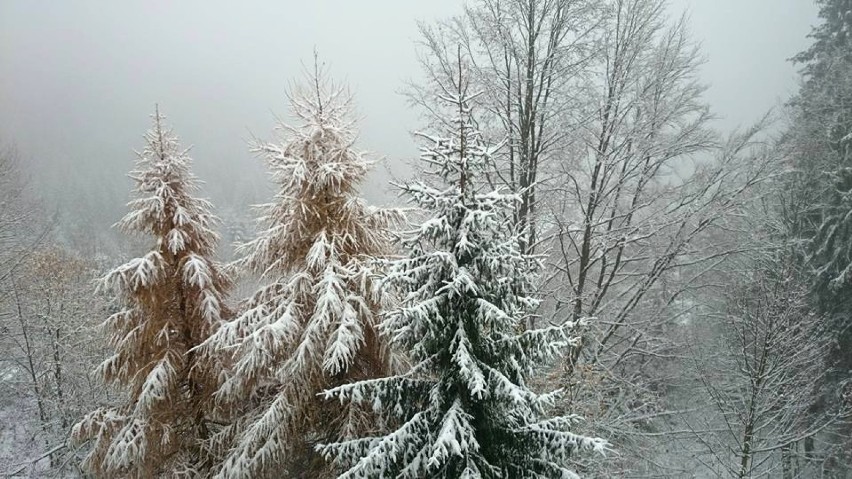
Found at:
[312, 324]
[464, 409]
[172, 299]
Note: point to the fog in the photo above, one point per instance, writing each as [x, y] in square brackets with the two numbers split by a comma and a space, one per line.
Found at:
[80, 78]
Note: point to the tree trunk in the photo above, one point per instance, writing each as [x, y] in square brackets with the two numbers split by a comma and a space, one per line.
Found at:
[786, 463]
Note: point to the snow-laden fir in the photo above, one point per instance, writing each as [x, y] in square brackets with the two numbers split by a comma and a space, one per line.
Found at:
[312, 324]
[464, 408]
[172, 299]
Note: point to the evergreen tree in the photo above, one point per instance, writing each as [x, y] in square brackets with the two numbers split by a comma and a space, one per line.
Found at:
[312, 323]
[821, 135]
[819, 209]
[172, 299]
[464, 409]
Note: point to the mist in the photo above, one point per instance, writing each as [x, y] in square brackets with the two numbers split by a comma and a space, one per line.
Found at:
[81, 78]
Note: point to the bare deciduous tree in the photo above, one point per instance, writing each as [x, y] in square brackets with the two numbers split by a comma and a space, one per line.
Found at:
[526, 56]
[627, 221]
[764, 377]
[53, 351]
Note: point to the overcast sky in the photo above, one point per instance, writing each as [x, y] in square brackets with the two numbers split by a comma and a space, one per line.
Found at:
[78, 79]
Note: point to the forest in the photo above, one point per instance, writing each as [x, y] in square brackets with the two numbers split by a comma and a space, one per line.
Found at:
[580, 276]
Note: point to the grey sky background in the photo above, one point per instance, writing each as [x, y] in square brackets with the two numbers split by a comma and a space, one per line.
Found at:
[78, 79]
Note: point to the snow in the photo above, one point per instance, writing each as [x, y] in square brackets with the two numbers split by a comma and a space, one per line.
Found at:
[465, 293]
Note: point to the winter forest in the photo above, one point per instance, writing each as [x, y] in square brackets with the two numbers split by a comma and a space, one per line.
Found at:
[575, 273]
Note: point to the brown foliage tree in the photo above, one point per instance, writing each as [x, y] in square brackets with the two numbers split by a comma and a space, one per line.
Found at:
[172, 299]
[312, 324]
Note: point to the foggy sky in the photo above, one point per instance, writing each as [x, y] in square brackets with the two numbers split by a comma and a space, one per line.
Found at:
[78, 79]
